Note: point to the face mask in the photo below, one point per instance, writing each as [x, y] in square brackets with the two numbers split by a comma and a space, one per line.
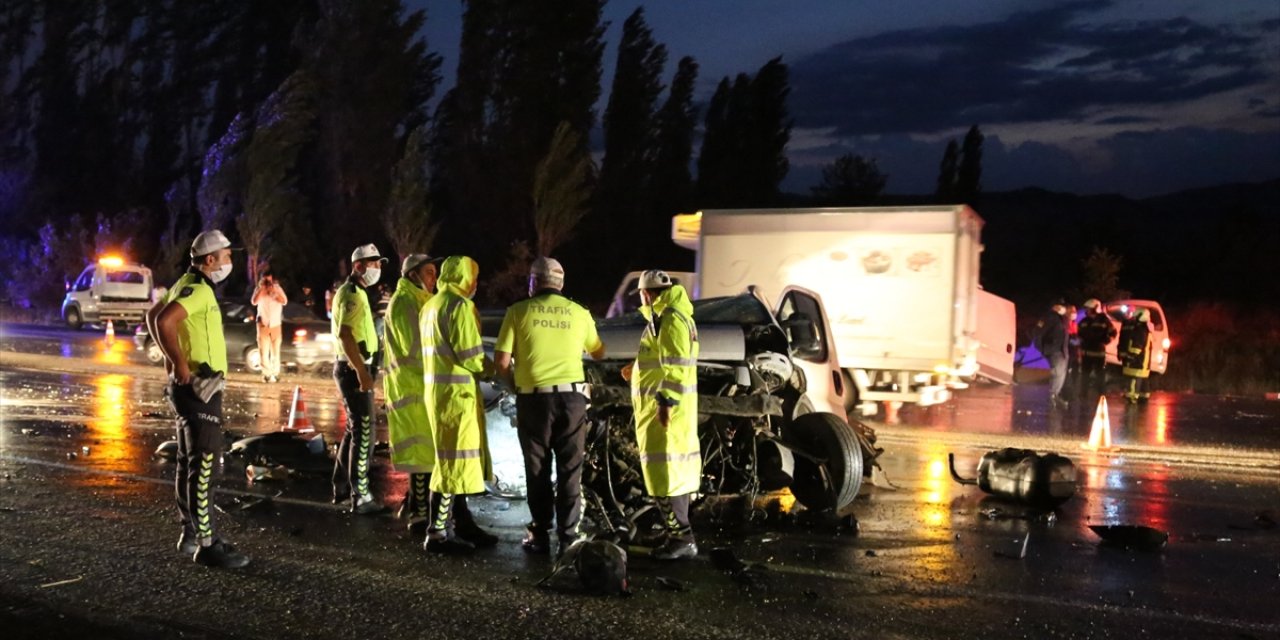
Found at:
[370, 276]
[220, 273]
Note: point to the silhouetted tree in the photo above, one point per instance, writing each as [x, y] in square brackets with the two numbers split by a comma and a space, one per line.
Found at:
[969, 171]
[1101, 276]
[850, 180]
[946, 189]
[561, 189]
[407, 221]
[743, 156]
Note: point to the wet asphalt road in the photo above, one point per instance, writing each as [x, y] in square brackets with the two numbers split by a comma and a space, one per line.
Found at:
[86, 542]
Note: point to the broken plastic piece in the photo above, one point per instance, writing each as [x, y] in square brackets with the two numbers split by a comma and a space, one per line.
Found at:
[1131, 536]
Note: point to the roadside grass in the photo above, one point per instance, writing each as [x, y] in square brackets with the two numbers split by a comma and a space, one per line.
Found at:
[1220, 349]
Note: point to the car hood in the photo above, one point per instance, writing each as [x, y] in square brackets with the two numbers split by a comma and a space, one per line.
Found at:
[716, 343]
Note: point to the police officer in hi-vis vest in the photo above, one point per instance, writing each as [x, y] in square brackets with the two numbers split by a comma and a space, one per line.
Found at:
[664, 395]
[453, 360]
[547, 335]
[187, 325]
[354, 373]
[413, 451]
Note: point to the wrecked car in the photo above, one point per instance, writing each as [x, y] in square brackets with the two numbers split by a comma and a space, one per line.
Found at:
[769, 403]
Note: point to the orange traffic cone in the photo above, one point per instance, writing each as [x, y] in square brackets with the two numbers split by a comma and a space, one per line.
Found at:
[111, 332]
[1100, 432]
[298, 420]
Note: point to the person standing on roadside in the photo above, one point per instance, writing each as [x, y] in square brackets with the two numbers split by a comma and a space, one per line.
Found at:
[270, 299]
[453, 362]
[187, 325]
[355, 372]
[413, 450]
[664, 393]
[547, 335]
[1096, 332]
[1051, 341]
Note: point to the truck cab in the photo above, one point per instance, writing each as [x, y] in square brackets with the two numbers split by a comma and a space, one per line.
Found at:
[110, 289]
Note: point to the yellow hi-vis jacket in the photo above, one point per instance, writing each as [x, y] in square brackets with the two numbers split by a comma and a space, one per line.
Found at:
[1135, 349]
[412, 448]
[452, 357]
[666, 372]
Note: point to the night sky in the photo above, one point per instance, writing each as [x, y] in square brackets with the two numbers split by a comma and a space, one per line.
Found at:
[1132, 97]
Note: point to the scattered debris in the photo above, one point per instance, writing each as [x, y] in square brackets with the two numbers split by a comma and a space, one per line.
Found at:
[1131, 536]
[84, 450]
[601, 566]
[257, 473]
[1207, 537]
[1022, 475]
[168, 450]
[1022, 553]
[670, 584]
[871, 553]
[280, 448]
[1263, 521]
[49, 585]
[724, 559]
[71, 455]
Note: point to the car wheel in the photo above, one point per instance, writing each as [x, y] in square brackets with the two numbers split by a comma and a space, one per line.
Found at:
[253, 359]
[73, 317]
[828, 467]
[154, 354]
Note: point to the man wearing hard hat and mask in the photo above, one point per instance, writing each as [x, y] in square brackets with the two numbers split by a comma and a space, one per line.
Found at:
[187, 325]
[664, 394]
[354, 373]
[412, 449]
[1096, 332]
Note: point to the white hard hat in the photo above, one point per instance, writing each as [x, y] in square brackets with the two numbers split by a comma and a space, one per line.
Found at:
[415, 260]
[366, 252]
[1093, 303]
[654, 279]
[548, 271]
[208, 242]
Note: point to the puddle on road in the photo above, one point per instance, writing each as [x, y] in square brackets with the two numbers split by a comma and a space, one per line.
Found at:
[1168, 419]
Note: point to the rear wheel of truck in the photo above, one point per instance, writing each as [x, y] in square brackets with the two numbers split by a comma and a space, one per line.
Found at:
[828, 469]
[72, 317]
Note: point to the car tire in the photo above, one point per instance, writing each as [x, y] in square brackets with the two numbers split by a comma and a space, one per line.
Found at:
[73, 317]
[828, 467]
[252, 359]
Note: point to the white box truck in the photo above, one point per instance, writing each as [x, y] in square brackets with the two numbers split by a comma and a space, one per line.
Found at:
[900, 285]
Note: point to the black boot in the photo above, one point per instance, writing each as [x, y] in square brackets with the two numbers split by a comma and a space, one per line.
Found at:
[440, 535]
[466, 527]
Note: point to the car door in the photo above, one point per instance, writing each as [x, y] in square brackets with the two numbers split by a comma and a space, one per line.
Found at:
[800, 311]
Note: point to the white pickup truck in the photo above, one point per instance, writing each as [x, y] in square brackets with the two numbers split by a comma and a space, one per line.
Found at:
[110, 289]
[900, 285]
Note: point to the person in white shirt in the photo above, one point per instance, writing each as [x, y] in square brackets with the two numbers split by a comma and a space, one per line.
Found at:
[270, 299]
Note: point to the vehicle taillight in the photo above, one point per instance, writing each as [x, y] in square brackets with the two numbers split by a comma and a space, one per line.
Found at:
[1166, 344]
[299, 336]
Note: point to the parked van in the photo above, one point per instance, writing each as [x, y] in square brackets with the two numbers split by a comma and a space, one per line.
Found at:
[1120, 310]
[110, 289]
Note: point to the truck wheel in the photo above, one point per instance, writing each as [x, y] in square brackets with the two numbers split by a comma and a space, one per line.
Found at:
[252, 359]
[73, 317]
[828, 471]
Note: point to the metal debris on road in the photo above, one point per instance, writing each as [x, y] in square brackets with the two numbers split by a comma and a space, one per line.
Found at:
[1022, 553]
[168, 450]
[1022, 475]
[1136, 537]
[49, 585]
[670, 584]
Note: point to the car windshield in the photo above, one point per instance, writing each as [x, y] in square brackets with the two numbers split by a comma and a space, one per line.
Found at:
[125, 277]
[744, 309]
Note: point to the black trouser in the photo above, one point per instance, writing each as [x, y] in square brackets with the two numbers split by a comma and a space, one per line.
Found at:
[553, 424]
[675, 513]
[1093, 371]
[199, 446]
[355, 453]
[417, 499]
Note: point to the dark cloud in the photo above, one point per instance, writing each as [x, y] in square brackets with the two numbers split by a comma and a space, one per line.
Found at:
[1125, 120]
[1034, 66]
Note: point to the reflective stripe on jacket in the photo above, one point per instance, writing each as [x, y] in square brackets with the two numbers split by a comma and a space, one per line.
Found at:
[1135, 349]
[413, 449]
[452, 357]
[666, 372]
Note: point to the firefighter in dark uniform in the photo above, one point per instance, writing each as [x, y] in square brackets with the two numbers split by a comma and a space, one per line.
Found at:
[547, 335]
[187, 325]
[1096, 332]
[1135, 355]
[354, 372]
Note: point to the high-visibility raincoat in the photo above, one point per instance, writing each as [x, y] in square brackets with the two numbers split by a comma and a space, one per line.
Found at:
[452, 358]
[412, 448]
[665, 372]
[1135, 348]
